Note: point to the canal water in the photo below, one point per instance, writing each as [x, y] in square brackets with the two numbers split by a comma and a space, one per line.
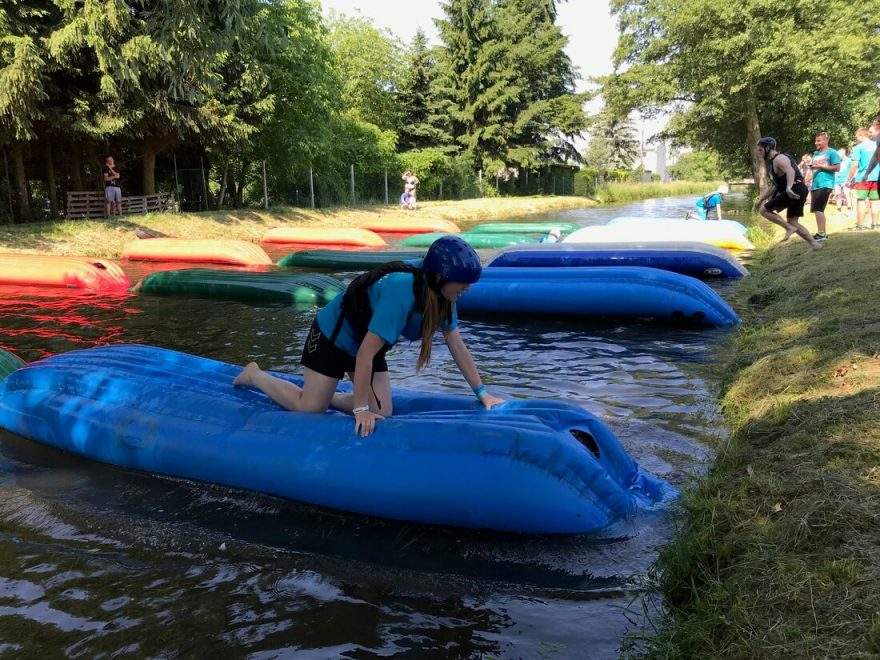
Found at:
[101, 562]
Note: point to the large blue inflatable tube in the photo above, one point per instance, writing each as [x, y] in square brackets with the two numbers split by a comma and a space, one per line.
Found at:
[625, 292]
[688, 258]
[524, 466]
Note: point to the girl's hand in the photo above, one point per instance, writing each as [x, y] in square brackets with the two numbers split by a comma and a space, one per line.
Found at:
[365, 423]
[488, 401]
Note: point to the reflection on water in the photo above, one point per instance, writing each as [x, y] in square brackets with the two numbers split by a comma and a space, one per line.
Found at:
[96, 561]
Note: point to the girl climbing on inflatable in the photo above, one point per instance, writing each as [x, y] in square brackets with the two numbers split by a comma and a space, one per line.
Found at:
[353, 333]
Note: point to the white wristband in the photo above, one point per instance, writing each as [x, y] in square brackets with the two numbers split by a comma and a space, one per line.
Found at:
[360, 409]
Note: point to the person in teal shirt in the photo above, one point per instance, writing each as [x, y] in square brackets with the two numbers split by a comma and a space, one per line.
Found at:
[709, 206]
[863, 174]
[824, 165]
[841, 189]
[352, 334]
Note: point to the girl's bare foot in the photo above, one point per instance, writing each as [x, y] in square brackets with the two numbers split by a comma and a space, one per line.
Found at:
[816, 245]
[788, 232]
[247, 375]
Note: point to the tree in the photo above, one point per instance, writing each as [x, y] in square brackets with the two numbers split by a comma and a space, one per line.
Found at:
[74, 75]
[478, 97]
[370, 64]
[546, 114]
[510, 83]
[734, 71]
[697, 166]
[422, 124]
[279, 94]
[614, 144]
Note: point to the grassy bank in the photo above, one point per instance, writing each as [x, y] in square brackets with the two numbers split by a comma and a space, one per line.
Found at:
[779, 551]
[106, 238]
[629, 192]
[103, 238]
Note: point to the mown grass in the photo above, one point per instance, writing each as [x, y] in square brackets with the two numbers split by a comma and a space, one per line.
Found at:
[106, 238]
[779, 549]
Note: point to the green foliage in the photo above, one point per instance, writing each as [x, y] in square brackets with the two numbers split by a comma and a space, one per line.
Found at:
[585, 181]
[433, 167]
[235, 84]
[422, 125]
[370, 62]
[623, 188]
[733, 71]
[509, 83]
[614, 144]
[778, 548]
[697, 166]
[546, 113]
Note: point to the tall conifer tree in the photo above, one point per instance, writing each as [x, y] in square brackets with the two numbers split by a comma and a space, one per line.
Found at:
[546, 114]
[423, 124]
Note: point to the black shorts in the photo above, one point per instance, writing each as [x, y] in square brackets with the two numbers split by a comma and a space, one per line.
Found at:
[320, 355]
[794, 208]
[819, 199]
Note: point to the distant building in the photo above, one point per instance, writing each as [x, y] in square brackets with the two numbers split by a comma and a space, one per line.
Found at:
[653, 161]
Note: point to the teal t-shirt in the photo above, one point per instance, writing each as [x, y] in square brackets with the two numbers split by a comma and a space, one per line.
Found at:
[393, 301]
[821, 178]
[842, 175]
[862, 154]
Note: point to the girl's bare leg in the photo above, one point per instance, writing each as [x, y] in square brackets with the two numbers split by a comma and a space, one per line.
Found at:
[314, 396]
[343, 401]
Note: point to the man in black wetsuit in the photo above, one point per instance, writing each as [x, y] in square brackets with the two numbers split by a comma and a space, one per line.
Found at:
[788, 191]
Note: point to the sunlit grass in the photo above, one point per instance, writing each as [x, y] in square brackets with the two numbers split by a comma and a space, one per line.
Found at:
[106, 238]
[779, 550]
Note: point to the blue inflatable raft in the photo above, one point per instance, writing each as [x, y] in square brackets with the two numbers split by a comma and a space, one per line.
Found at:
[617, 292]
[524, 466]
[688, 258]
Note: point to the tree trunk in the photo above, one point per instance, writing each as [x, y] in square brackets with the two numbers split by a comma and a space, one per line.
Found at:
[753, 134]
[223, 186]
[94, 167]
[148, 178]
[51, 184]
[76, 180]
[21, 189]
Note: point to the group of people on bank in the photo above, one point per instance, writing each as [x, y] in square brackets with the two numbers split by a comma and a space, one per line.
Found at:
[825, 174]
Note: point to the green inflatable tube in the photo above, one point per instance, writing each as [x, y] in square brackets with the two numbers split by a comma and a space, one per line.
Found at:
[474, 240]
[9, 363]
[346, 259]
[524, 228]
[242, 285]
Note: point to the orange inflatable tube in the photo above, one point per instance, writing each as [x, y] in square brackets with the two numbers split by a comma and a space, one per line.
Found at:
[200, 250]
[409, 225]
[70, 272]
[324, 236]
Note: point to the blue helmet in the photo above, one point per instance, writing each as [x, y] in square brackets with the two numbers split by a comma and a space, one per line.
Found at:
[767, 142]
[454, 260]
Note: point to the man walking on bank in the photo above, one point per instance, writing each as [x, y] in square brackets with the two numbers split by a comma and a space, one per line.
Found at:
[787, 191]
